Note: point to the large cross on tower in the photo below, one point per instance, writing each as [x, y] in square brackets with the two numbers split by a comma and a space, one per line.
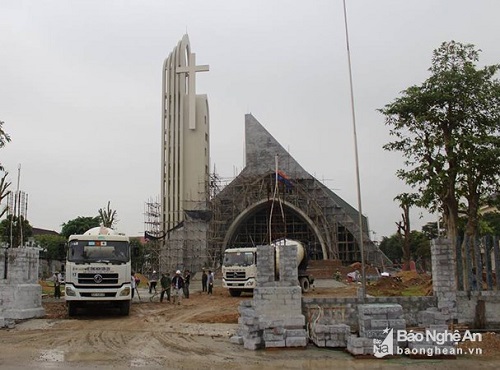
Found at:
[191, 70]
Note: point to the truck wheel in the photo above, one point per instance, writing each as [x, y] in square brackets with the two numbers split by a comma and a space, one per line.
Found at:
[125, 308]
[72, 309]
[304, 284]
[234, 292]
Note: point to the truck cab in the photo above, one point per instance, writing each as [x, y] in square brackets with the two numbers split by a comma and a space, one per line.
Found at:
[239, 270]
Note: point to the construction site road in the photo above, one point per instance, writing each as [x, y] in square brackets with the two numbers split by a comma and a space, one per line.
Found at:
[192, 335]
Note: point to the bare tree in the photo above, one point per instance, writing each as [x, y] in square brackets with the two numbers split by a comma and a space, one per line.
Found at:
[4, 138]
[404, 229]
[108, 216]
[4, 192]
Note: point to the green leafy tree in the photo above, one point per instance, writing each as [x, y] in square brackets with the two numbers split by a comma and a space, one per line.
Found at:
[53, 246]
[419, 245]
[420, 249]
[490, 224]
[393, 247]
[108, 216]
[4, 138]
[430, 229]
[79, 225]
[21, 230]
[447, 131]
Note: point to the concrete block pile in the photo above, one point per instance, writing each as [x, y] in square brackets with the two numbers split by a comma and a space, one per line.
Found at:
[287, 332]
[261, 330]
[359, 346]
[375, 322]
[334, 335]
[248, 333]
[432, 316]
[375, 318]
[273, 318]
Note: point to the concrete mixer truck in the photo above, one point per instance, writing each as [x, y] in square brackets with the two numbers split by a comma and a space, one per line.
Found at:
[98, 270]
[240, 267]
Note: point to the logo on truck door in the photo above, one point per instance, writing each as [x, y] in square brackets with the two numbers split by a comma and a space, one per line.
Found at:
[98, 278]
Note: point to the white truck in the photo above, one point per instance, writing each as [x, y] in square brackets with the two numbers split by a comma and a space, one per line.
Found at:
[98, 270]
[240, 267]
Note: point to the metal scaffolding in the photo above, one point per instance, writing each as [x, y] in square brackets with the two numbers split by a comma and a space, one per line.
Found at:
[304, 210]
[244, 211]
[153, 233]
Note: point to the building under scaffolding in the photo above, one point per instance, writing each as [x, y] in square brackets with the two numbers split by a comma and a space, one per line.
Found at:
[182, 247]
[274, 197]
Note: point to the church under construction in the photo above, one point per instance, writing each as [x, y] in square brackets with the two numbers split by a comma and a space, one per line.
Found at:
[273, 196]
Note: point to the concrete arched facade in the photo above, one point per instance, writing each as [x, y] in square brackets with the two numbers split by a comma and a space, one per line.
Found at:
[251, 209]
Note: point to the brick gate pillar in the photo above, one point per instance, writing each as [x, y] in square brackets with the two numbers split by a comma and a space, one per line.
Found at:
[444, 275]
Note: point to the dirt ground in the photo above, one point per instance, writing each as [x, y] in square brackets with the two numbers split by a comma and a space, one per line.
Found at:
[193, 335]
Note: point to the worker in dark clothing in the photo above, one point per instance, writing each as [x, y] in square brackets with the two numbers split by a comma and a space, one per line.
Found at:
[166, 282]
[152, 282]
[204, 278]
[187, 279]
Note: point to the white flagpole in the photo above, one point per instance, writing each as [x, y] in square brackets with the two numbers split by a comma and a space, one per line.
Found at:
[358, 185]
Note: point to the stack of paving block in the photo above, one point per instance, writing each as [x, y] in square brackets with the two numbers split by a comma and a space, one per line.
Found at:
[375, 322]
[248, 333]
[432, 316]
[433, 345]
[256, 332]
[287, 332]
[359, 346]
[375, 318]
[334, 335]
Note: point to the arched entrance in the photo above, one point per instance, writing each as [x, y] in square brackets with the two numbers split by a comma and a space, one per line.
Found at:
[251, 227]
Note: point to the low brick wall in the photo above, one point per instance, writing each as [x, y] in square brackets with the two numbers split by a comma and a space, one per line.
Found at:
[345, 310]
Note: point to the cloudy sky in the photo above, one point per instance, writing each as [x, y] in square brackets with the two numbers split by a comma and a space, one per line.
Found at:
[80, 91]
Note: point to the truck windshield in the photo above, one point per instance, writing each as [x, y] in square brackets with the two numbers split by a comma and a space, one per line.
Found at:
[98, 251]
[238, 258]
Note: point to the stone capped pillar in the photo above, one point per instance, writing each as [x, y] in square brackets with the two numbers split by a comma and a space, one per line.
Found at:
[20, 293]
[444, 274]
[289, 274]
[265, 265]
